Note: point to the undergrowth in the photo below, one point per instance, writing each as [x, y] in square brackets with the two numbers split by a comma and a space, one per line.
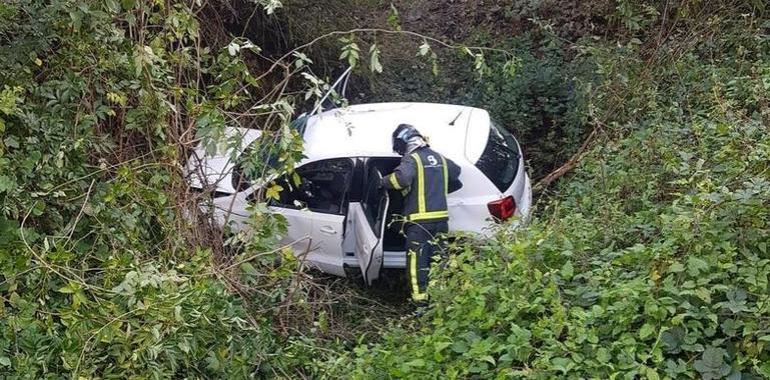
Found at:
[650, 260]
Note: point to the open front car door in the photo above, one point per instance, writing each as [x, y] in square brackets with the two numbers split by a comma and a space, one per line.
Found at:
[369, 220]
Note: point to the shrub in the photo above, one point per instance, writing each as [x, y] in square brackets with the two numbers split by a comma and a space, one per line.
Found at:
[650, 262]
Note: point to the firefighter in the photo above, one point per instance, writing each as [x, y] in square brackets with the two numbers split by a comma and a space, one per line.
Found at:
[425, 178]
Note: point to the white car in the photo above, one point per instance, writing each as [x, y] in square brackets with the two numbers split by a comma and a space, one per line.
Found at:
[338, 217]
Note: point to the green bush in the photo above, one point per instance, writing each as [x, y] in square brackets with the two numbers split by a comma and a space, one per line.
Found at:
[650, 262]
[543, 103]
[102, 272]
[653, 269]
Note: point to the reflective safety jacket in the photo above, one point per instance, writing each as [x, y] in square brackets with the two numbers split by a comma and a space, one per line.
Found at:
[426, 178]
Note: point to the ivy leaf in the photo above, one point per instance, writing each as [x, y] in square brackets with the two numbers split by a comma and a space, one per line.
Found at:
[696, 265]
[562, 365]
[651, 373]
[736, 301]
[603, 355]
[712, 364]
[489, 359]
[703, 294]
[646, 331]
[6, 183]
[673, 339]
[67, 289]
[676, 267]
[460, 347]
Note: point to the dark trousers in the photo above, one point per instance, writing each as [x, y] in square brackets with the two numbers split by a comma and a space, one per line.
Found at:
[421, 245]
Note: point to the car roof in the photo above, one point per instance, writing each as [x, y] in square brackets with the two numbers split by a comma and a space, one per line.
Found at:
[458, 132]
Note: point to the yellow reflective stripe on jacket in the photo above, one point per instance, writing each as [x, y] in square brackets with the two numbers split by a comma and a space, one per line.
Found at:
[429, 215]
[420, 184]
[446, 176]
[394, 182]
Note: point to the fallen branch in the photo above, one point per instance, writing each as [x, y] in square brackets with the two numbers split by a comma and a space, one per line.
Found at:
[570, 164]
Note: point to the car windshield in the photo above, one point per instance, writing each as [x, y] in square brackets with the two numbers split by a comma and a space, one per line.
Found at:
[260, 157]
[257, 159]
[500, 159]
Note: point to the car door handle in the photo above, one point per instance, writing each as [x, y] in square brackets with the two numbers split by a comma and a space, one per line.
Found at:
[329, 230]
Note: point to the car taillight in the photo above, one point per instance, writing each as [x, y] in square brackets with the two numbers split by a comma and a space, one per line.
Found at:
[502, 209]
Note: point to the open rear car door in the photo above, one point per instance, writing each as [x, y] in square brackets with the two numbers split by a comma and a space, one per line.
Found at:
[369, 220]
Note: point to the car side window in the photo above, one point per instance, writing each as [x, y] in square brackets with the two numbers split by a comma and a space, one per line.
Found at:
[322, 187]
[374, 201]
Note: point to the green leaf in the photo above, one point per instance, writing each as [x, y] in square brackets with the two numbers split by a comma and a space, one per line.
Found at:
[424, 49]
[562, 365]
[712, 364]
[703, 294]
[128, 4]
[646, 331]
[249, 269]
[393, 18]
[460, 346]
[66, 290]
[695, 266]
[651, 373]
[273, 192]
[374, 62]
[5, 361]
[6, 183]
[489, 359]
[676, 267]
[112, 6]
[350, 51]
[416, 363]
[603, 355]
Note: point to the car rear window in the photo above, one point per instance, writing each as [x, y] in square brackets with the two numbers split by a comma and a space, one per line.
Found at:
[500, 159]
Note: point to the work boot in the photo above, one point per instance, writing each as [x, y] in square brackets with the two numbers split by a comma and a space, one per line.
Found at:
[421, 307]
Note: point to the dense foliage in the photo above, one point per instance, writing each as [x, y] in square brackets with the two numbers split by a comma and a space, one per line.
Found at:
[651, 260]
[664, 274]
[100, 276]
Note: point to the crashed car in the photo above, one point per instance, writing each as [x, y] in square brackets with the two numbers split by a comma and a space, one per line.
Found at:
[338, 216]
